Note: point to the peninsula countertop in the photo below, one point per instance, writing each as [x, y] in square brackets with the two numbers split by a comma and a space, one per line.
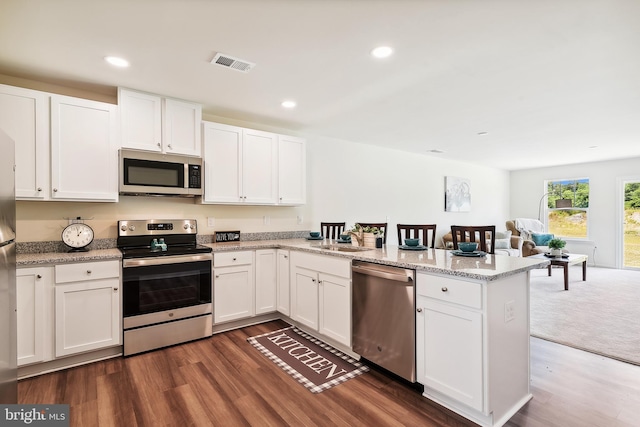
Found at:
[489, 267]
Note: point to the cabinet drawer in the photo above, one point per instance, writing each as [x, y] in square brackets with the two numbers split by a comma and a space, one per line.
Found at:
[225, 259]
[66, 273]
[450, 290]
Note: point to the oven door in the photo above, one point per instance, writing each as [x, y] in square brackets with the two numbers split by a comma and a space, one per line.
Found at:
[165, 288]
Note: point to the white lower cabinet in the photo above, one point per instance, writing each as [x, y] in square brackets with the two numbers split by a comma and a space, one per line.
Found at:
[33, 293]
[266, 281]
[233, 286]
[321, 294]
[87, 307]
[283, 280]
[472, 345]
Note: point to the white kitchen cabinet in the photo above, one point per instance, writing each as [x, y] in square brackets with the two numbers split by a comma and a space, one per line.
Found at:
[35, 334]
[335, 307]
[233, 286]
[266, 281]
[292, 170]
[24, 116]
[244, 166]
[472, 344]
[87, 307]
[153, 123]
[283, 280]
[84, 152]
[321, 294]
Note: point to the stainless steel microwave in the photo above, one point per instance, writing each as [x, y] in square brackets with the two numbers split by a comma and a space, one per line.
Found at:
[148, 173]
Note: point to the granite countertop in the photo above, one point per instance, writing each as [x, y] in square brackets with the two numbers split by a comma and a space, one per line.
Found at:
[489, 268]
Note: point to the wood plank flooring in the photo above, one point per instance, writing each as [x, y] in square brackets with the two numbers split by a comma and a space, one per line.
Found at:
[224, 381]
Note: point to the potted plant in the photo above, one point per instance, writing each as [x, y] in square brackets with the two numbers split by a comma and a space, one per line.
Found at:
[365, 236]
[556, 244]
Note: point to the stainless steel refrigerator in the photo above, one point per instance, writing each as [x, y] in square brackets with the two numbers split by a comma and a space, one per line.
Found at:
[8, 324]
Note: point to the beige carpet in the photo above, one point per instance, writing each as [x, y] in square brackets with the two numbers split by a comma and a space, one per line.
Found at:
[600, 315]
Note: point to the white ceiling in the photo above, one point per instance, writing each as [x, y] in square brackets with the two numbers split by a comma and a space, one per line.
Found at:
[548, 80]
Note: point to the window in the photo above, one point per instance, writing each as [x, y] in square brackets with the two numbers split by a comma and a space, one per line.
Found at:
[568, 204]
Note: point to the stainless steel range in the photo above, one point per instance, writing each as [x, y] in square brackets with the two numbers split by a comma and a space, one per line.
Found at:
[166, 282]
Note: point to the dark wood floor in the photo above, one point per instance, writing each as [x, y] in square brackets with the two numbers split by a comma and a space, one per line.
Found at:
[224, 381]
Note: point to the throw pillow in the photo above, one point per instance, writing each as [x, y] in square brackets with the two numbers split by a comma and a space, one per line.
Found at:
[541, 239]
[503, 240]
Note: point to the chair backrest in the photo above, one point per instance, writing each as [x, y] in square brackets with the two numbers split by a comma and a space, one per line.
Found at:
[472, 233]
[332, 230]
[418, 231]
[381, 225]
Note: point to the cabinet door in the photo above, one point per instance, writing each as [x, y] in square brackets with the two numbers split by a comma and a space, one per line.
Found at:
[335, 308]
[222, 155]
[304, 297]
[84, 155]
[292, 170]
[87, 316]
[141, 120]
[24, 116]
[232, 293]
[181, 127]
[32, 285]
[449, 350]
[259, 167]
[283, 282]
[266, 281]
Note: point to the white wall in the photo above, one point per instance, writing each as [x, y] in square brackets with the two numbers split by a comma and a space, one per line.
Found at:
[605, 210]
[354, 182]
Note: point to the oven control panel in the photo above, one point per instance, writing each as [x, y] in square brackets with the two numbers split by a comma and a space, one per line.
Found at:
[153, 227]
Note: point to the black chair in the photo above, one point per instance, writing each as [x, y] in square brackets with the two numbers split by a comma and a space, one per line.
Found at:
[332, 230]
[382, 226]
[417, 231]
[479, 234]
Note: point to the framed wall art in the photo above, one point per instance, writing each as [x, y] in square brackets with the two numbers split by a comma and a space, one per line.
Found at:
[457, 194]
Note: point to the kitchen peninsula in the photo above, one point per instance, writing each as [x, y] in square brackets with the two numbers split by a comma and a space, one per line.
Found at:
[472, 314]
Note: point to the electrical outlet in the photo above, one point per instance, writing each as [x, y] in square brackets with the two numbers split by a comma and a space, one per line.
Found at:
[509, 313]
[266, 220]
[211, 221]
[299, 219]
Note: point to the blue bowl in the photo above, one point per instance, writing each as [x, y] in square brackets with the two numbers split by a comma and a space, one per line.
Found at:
[467, 246]
[411, 242]
[314, 234]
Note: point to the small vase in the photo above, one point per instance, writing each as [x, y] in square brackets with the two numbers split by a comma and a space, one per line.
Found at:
[556, 252]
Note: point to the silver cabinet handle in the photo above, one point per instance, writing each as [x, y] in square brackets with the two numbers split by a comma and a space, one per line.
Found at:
[419, 310]
[170, 148]
[217, 276]
[159, 145]
[286, 257]
[55, 190]
[88, 271]
[313, 280]
[38, 276]
[115, 289]
[444, 289]
[39, 188]
[234, 259]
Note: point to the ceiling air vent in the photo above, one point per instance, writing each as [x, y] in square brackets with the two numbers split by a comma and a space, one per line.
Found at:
[233, 63]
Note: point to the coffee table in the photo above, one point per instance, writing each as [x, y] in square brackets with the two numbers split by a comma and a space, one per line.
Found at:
[571, 259]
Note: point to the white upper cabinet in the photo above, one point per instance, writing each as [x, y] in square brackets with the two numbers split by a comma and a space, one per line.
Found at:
[292, 170]
[150, 122]
[24, 116]
[241, 166]
[84, 152]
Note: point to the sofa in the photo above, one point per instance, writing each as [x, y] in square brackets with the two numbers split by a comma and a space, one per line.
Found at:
[512, 247]
[529, 247]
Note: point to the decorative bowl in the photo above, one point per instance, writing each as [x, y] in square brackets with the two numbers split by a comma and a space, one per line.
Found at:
[467, 246]
[411, 242]
[345, 236]
[314, 234]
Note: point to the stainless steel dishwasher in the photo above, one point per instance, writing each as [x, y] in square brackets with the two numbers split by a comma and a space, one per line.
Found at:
[383, 317]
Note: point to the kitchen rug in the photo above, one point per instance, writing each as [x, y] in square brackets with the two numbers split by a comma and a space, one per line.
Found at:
[314, 364]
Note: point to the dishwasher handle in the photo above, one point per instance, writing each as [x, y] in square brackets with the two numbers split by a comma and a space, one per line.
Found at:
[382, 274]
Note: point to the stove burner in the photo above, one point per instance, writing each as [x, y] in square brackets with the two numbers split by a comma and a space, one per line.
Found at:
[135, 238]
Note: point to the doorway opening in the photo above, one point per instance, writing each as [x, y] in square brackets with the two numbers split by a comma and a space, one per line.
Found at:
[631, 225]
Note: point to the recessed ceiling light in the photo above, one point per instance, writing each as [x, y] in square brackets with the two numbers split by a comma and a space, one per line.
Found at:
[288, 104]
[483, 133]
[382, 52]
[118, 62]
[436, 151]
[593, 146]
